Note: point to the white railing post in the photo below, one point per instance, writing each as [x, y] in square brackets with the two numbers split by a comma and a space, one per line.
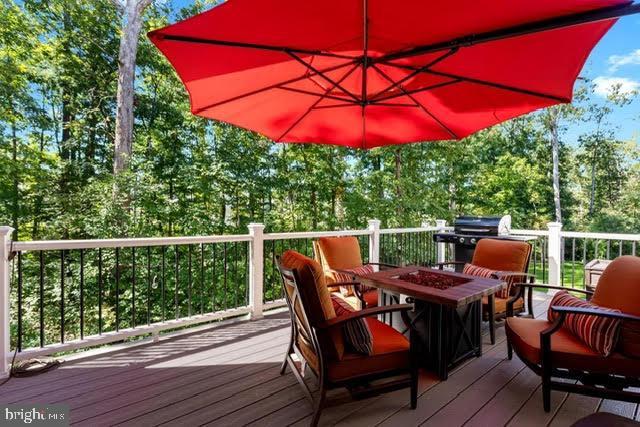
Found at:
[5, 330]
[440, 247]
[374, 240]
[256, 269]
[555, 253]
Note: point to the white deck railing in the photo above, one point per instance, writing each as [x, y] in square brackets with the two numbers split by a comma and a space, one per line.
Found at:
[550, 256]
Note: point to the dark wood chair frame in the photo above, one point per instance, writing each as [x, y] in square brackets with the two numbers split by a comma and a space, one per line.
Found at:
[500, 275]
[607, 386]
[311, 332]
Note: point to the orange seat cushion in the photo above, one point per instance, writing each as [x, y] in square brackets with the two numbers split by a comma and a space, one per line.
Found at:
[567, 351]
[340, 253]
[619, 288]
[390, 351]
[502, 255]
[316, 294]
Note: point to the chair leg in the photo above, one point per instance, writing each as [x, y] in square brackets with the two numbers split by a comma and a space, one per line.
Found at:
[492, 319]
[318, 406]
[414, 389]
[509, 350]
[546, 394]
[283, 368]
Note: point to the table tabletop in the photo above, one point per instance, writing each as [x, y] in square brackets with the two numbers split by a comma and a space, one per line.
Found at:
[468, 289]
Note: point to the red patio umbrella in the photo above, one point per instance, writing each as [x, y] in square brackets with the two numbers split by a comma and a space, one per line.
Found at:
[366, 73]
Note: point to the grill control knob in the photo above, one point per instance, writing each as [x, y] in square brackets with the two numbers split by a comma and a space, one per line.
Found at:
[461, 240]
[473, 241]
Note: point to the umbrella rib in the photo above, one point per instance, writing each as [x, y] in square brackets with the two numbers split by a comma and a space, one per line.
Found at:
[323, 75]
[321, 95]
[499, 86]
[418, 103]
[484, 83]
[273, 86]
[415, 72]
[519, 30]
[412, 91]
[284, 49]
[325, 95]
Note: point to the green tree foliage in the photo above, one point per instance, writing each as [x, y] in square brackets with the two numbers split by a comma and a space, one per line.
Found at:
[58, 68]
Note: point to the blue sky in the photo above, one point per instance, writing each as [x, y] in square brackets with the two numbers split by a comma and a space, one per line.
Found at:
[616, 59]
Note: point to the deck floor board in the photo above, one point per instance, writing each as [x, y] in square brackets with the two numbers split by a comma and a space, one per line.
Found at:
[229, 375]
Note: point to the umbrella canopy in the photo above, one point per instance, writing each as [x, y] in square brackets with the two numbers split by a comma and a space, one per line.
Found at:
[366, 73]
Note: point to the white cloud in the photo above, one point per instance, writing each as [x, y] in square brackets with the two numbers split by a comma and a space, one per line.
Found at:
[604, 85]
[617, 61]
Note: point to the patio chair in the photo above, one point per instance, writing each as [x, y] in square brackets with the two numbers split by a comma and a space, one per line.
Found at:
[318, 340]
[551, 350]
[341, 260]
[507, 260]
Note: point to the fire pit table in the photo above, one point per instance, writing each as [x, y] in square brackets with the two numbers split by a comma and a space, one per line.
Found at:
[448, 311]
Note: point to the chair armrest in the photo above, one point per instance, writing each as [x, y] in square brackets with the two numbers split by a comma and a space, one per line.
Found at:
[560, 288]
[367, 312]
[439, 265]
[336, 284]
[503, 274]
[592, 311]
[382, 264]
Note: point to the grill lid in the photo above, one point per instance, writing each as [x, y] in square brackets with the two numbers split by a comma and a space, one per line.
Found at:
[483, 225]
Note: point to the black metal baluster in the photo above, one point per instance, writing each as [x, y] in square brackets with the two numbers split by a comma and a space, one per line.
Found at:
[214, 279]
[177, 277]
[235, 273]
[19, 343]
[246, 273]
[81, 294]
[100, 291]
[117, 289]
[148, 285]
[41, 298]
[573, 263]
[201, 278]
[224, 288]
[274, 273]
[162, 284]
[608, 249]
[584, 260]
[62, 296]
[133, 287]
[190, 280]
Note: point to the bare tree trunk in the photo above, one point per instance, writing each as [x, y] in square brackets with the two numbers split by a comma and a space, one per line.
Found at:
[592, 192]
[16, 183]
[555, 156]
[132, 10]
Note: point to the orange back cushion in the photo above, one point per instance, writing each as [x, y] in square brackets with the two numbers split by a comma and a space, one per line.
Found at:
[340, 253]
[316, 293]
[502, 255]
[619, 287]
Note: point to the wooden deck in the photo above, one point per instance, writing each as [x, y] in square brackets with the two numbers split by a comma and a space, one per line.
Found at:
[229, 376]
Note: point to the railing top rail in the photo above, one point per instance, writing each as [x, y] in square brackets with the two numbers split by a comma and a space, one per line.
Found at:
[408, 230]
[602, 236]
[39, 245]
[315, 234]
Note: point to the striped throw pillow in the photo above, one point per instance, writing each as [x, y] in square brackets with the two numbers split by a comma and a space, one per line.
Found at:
[347, 275]
[356, 332]
[599, 333]
[474, 270]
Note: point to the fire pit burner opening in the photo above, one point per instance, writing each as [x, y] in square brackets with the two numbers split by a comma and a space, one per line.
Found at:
[433, 279]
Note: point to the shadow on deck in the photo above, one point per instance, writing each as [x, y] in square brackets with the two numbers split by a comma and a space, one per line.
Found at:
[230, 376]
